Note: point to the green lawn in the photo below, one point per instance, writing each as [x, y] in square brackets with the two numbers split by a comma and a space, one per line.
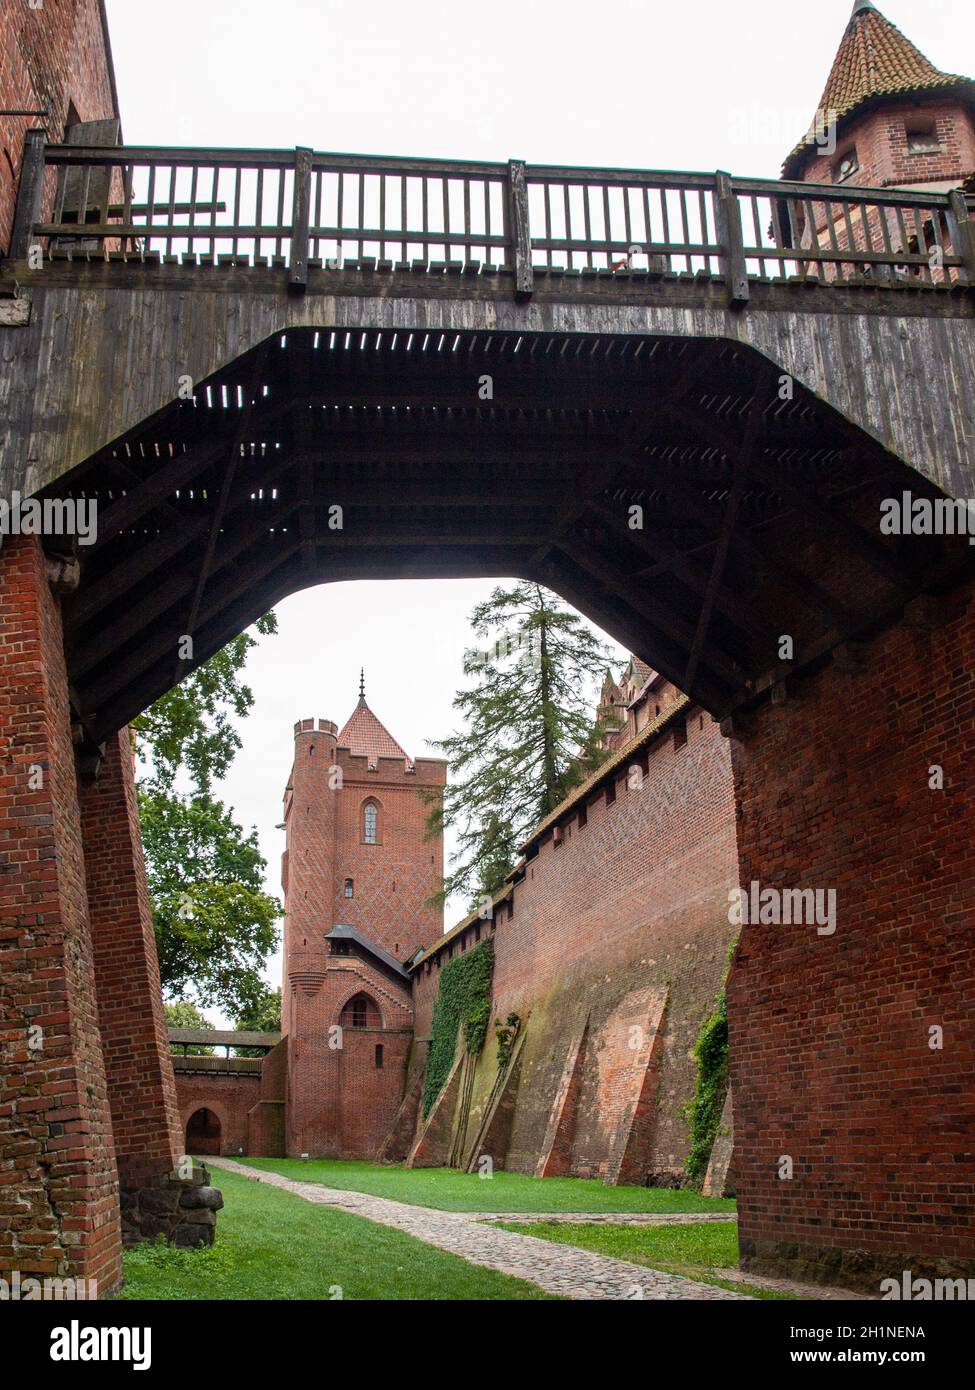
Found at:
[271, 1244]
[450, 1190]
[696, 1251]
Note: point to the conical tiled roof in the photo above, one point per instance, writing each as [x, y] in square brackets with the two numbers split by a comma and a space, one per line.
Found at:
[875, 60]
[365, 734]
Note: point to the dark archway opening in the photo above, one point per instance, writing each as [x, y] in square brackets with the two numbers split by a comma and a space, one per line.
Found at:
[203, 1132]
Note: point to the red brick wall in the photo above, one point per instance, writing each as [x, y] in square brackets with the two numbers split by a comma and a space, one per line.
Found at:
[634, 900]
[338, 1102]
[830, 1055]
[49, 58]
[135, 1042]
[880, 137]
[58, 1180]
[395, 879]
[229, 1096]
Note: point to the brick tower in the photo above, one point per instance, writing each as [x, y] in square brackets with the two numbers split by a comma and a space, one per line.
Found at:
[899, 121]
[358, 873]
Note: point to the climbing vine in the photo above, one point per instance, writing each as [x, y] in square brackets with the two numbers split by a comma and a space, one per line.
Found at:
[464, 998]
[505, 1033]
[704, 1112]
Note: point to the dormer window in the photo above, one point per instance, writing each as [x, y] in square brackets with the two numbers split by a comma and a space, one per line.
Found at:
[846, 166]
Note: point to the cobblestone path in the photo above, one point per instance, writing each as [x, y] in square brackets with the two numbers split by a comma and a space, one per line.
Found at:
[558, 1269]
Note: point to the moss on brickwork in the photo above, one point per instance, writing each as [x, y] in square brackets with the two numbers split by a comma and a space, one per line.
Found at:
[464, 998]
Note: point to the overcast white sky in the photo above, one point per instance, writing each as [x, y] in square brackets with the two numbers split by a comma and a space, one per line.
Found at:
[639, 83]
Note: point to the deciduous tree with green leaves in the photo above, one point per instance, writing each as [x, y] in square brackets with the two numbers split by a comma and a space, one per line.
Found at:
[215, 925]
[184, 1014]
[530, 735]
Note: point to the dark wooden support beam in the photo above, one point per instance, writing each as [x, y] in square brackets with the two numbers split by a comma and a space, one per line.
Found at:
[661, 616]
[164, 481]
[163, 641]
[728, 523]
[628, 629]
[111, 637]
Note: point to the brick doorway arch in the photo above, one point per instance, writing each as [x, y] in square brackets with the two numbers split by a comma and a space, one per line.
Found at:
[204, 1132]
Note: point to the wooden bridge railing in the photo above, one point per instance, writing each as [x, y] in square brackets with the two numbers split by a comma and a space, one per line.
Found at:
[299, 208]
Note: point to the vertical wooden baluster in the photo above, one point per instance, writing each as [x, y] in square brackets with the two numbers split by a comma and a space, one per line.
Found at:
[236, 212]
[567, 215]
[404, 218]
[150, 205]
[468, 256]
[705, 238]
[194, 182]
[126, 241]
[777, 237]
[171, 209]
[904, 238]
[425, 219]
[607, 227]
[627, 223]
[888, 269]
[445, 197]
[665, 212]
[259, 213]
[834, 243]
[361, 217]
[758, 236]
[586, 190]
[850, 237]
[382, 216]
[279, 239]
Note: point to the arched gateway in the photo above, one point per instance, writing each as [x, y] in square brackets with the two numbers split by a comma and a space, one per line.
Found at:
[696, 453]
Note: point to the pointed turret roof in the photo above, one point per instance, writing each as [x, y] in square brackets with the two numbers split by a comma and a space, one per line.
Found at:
[874, 61]
[365, 734]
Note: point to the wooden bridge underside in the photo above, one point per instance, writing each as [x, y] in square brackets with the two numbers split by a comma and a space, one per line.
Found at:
[499, 454]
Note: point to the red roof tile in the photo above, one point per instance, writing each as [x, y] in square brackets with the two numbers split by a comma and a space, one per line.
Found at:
[364, 734]
[874, 60]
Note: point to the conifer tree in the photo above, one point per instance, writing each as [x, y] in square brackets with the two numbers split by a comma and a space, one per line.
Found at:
[530, 734]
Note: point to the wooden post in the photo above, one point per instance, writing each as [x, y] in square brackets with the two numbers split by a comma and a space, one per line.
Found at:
[519, 232]
[298, 276]
[963, 232]
[30, 193]
[727, 216]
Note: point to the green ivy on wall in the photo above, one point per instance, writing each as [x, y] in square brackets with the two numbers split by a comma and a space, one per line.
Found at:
[464, 998]
[704, 1112]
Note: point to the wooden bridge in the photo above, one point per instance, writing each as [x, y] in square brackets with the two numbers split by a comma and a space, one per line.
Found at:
[678, 400]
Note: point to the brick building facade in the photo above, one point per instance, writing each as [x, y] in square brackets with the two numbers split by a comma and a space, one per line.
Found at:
[360, 874]
[54, 59]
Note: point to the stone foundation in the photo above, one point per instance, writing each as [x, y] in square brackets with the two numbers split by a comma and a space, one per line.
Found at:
[183, 1210]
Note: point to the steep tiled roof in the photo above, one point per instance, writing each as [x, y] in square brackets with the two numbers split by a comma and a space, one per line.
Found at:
[365, 734]
[874, 60]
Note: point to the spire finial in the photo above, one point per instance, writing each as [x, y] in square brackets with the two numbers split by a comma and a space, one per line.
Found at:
[362, 683]
[862, 5]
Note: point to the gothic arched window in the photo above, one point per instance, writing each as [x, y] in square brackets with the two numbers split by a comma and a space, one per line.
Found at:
[361, 1012]
[370, 823]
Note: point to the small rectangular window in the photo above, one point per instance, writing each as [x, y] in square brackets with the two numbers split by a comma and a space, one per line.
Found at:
[349, 888]
[379, 1055]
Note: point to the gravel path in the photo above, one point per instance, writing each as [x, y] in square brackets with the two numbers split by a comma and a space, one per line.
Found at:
[558, 1269]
